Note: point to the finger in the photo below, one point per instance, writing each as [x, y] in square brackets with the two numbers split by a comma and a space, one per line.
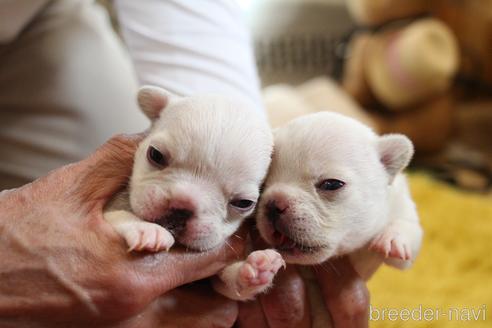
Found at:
[167, 270]
[251, 315]
[345, 293]
[286, 304]
[107, 170]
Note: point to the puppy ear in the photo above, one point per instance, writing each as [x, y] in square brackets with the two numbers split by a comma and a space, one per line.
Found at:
[395, 152]
[152, 100]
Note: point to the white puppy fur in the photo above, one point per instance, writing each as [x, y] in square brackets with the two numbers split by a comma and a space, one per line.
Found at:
[196, 177]
[336, 188]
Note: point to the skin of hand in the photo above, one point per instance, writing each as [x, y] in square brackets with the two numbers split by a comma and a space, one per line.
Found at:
[63, 265]
[286, 305]
[345, 293]
[196, 305]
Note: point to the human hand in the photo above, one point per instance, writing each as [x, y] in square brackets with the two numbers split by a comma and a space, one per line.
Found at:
[62, 263]
[195, 305]
[286, 305]
[345, 293]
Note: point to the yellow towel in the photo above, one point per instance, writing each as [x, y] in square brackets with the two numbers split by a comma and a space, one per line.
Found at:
[450, 284]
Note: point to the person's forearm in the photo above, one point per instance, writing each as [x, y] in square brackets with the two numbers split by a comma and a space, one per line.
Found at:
[191, 47]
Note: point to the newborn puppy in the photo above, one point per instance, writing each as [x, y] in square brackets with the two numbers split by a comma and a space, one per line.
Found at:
[335, 188]
[195, 178]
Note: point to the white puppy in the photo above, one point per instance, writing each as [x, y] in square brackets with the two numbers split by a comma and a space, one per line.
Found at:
[196, 177]
[335, 188]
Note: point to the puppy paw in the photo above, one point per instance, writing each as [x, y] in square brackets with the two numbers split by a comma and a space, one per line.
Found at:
[392, 243]
[146, 236]
[256, 273]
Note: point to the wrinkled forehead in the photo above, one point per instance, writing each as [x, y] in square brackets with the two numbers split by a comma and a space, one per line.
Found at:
[317, 149]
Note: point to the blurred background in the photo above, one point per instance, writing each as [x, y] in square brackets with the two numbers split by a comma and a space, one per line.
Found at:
[422, 68]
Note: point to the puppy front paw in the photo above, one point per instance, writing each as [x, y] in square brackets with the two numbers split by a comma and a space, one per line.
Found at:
[392, 243]
[146, 236]
[256, 273]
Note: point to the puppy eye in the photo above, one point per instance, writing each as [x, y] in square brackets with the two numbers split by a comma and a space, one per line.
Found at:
[156, 158]
[242, 204]
[330, 184]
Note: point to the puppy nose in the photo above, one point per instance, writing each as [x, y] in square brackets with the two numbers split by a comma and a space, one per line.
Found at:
[177, 218]
[274, 209]
[180, 214]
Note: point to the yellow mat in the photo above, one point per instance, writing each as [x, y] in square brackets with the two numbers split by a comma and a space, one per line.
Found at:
[450, 284]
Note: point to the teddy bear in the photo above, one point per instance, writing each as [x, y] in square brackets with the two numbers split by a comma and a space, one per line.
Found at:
[400, 66]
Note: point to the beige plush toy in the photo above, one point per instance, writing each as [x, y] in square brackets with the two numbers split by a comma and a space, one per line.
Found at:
[284, 102]
[402, 72]
[376, 12]
[408, 66]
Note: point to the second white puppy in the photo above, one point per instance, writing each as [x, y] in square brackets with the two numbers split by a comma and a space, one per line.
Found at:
[335, 188]
[195, 178]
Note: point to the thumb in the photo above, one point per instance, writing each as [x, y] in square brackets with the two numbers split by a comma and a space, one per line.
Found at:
[107, 170]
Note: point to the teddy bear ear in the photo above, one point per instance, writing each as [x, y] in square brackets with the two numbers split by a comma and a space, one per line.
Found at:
[152, 100]
[395, 152]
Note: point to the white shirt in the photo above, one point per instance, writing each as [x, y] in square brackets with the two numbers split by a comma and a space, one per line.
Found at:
[191, 46]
